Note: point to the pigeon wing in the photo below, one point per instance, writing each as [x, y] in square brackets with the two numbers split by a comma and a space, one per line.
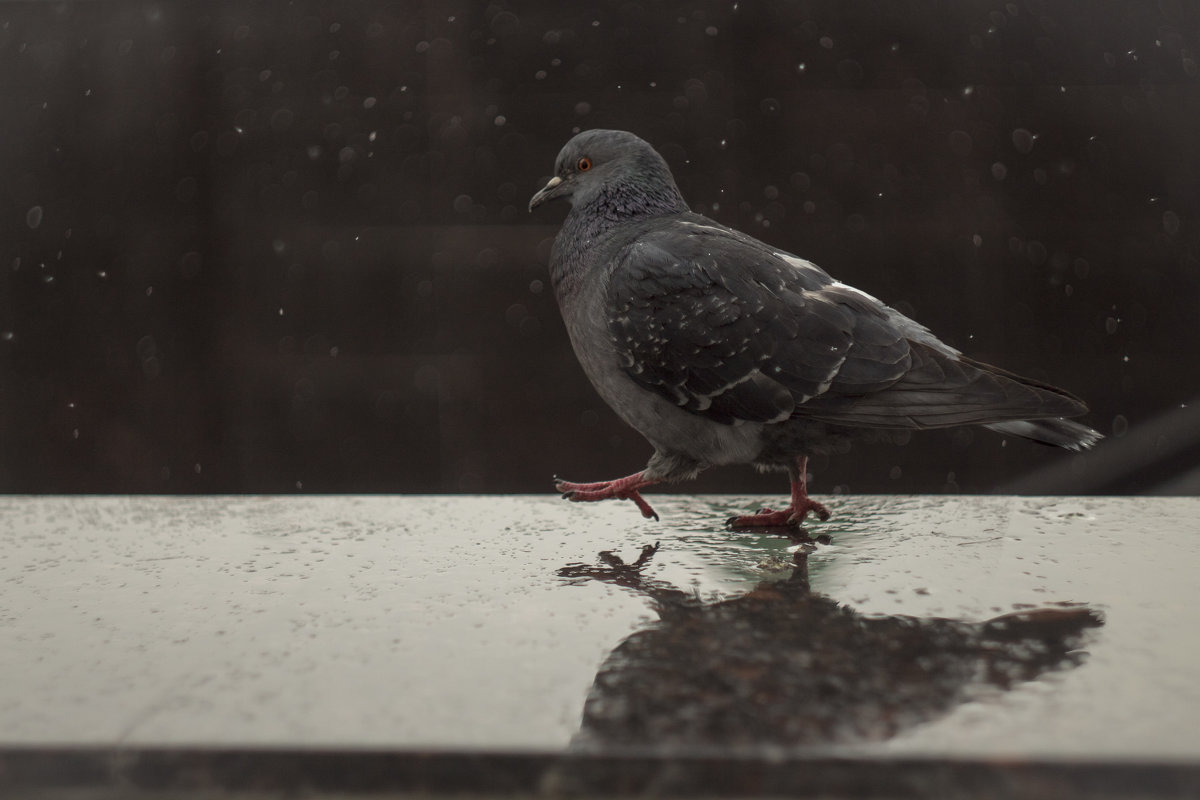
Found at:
[724, 327]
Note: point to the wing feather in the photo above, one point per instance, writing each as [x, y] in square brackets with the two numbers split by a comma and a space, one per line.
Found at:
[725, 327]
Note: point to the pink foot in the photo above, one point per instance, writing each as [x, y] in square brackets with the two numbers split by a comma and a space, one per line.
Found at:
[794, 514]
[621, 489]
[784, 518]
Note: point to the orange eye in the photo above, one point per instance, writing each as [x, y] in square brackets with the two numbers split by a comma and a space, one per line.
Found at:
[584, 164]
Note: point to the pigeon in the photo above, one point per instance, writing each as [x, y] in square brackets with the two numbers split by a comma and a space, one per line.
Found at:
[721, 349]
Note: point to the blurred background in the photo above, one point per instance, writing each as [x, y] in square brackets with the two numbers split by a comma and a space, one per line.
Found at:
[284, 247]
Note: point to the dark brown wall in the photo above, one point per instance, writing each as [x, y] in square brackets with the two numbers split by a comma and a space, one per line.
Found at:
[263, 247]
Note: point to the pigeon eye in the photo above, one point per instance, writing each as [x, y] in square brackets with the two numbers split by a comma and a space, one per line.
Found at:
[584, 164]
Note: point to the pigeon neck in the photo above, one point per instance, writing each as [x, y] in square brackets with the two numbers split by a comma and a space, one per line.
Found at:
[611, 206]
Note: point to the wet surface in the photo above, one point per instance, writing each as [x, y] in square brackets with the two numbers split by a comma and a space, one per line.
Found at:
[926, 626]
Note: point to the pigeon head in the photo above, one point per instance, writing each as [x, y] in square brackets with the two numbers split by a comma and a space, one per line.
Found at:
[614, 169]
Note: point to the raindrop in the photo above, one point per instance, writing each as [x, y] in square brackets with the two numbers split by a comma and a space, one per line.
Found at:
[827, 42]
[850, 70]
[146, 347]
[33, 217]
[1023, 140]
[1110, 325]
[515, 314]
[505, 23]
[1171, 222]
[281, 120]
[711, 30]
[961, 143]
[582, 108]
[1120, 426]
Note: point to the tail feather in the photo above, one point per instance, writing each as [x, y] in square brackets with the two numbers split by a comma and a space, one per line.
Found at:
[1057, 432]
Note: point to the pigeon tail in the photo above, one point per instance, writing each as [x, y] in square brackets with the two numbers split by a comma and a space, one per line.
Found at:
[1056, 432]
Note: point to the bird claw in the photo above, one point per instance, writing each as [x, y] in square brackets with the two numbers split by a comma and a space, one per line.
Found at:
[620, 489]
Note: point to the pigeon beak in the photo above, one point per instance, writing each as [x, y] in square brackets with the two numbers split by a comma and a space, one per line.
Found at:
[548, 192]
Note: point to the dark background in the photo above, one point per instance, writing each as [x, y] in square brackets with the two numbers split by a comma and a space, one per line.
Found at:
[280, 247]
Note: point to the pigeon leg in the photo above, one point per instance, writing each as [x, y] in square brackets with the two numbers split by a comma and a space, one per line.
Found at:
[621, 489]
[795, 513]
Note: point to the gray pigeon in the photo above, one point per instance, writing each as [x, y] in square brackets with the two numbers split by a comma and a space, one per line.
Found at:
[721, 349]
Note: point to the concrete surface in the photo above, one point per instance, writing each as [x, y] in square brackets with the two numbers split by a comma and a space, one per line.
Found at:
[468, 623]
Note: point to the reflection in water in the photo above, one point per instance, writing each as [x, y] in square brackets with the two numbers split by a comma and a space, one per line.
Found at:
[781, 665]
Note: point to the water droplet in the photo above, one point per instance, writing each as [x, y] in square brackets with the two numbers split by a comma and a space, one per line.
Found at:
[33, 217]
[1120, 426]
[961, 143]
[1171, 222]
[1023, 140]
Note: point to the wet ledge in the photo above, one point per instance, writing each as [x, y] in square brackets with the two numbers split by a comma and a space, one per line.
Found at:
[481, 644]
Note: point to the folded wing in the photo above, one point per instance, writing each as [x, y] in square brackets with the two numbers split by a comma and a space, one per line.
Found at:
[725, 327]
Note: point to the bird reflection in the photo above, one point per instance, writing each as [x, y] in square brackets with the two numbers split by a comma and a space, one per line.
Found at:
[782, 665]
